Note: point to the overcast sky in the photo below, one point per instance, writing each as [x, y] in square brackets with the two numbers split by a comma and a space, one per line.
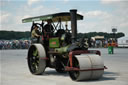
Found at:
[99, 15]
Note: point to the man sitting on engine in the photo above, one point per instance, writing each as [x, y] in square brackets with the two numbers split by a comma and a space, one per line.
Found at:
[34, 35]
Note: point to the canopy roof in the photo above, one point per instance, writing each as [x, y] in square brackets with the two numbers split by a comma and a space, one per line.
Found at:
[64, 16]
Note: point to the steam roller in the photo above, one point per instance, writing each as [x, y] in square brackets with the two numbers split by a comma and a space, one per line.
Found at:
[61, 49]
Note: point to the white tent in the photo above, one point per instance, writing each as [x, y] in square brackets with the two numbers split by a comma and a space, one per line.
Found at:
[123, 42]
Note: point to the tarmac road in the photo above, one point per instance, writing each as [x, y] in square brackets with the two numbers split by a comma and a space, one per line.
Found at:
[14, 70]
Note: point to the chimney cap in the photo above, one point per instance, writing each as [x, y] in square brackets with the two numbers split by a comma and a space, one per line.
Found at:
[73, 9]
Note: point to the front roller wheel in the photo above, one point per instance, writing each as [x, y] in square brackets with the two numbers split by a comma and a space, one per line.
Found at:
[36, 63]
[90, 67]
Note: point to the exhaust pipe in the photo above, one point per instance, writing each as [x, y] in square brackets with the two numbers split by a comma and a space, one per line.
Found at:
[73, 14]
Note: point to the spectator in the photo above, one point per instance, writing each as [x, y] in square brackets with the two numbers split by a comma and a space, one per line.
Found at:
[14, 44]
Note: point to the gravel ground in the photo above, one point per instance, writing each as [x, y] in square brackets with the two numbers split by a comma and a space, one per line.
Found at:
[14, 70]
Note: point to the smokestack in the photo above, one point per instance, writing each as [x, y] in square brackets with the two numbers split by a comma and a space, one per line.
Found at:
[73, 14]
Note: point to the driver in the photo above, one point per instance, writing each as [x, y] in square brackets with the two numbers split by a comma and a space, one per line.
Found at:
[34, 35]
[49, 28]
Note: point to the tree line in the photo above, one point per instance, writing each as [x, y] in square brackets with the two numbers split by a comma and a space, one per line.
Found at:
[14, 35]
[105, 34]
[11, 35]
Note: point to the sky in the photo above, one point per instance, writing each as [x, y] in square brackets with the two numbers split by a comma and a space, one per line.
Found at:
[99, 15]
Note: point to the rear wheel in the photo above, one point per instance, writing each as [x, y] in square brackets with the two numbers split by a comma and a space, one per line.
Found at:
[60, 67]
[36, 63]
